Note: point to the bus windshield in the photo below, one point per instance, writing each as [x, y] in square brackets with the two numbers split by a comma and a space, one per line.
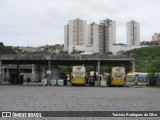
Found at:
[118, 72]
[130, 78]
[78, 71]
[118, 75]
[142, 78]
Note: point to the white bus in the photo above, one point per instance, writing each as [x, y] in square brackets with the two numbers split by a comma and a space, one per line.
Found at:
[143, 79]
[132, 79]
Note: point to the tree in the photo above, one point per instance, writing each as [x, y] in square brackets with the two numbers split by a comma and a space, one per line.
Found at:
[121, 52]
[6, 49]
[108, 53]
[1, 44]
[76, 52]
[154, 67]
[63, 52]
[154, 70]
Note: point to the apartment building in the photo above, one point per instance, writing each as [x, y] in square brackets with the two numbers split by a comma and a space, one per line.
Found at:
[133, 33]
[156, 37]
[104, 36]
[75, 35]
[89, 38]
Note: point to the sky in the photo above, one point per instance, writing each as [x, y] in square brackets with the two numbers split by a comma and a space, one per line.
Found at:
[40, 22]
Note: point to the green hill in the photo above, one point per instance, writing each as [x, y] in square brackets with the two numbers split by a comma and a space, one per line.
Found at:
[146, 58]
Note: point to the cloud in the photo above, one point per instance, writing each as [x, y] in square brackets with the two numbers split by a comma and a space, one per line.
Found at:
[40, 22]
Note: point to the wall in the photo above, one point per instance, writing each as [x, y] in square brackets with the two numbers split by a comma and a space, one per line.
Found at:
[116, 48]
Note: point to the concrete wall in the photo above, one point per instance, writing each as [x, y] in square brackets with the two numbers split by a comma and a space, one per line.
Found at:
[116, 48]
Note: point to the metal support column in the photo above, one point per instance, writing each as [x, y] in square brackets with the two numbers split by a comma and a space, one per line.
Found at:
[3, 74]
[43, 72]
[18, 73]
[33, 72]
[39, 72]
[49, 75]
[0, 72]
[98, 73]
[95, 77]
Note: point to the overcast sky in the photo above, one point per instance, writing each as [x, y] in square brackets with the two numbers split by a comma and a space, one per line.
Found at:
[41, 22]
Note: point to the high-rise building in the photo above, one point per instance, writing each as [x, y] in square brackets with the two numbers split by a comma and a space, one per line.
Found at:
[104, 36]
[89, 38]
[66, 37]
[90, 34]
[156, 37]
[75, 34]
[133, 33]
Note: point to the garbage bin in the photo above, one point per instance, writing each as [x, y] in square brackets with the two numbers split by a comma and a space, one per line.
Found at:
[103, 83]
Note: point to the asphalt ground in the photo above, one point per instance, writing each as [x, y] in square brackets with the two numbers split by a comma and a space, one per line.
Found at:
[77, 98]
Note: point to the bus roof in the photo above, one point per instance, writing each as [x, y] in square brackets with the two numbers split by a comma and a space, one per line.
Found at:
[142, 73]
[132, 73]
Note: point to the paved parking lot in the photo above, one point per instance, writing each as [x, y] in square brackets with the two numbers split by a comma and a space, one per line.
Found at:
[44, 98]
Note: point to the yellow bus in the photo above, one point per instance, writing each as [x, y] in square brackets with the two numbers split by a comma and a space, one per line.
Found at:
[78, 75]
[132, 79]
[117, 77]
